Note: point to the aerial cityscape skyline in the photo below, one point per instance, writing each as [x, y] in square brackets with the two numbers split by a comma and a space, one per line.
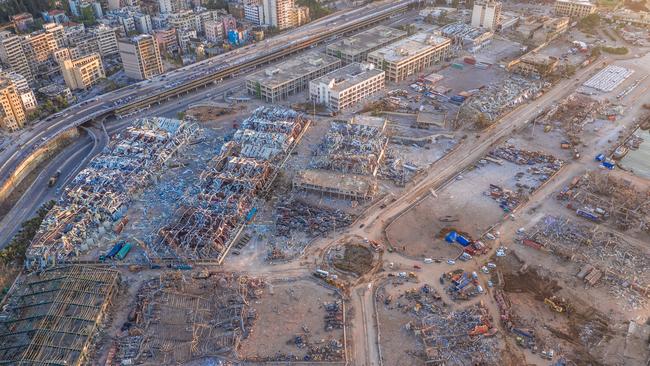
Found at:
[330, 182]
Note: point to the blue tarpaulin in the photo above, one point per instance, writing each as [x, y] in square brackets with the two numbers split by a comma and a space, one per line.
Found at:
[451, 236]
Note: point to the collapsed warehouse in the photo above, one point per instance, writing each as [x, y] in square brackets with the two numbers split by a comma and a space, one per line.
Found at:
[486, 107]
[101, 193]
[212, 217]
[51, 318]
[599, 196]
[178, 319]
[347, 160]
[603, 254]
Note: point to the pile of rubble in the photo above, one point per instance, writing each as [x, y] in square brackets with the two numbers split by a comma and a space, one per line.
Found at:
[507, 199]
[572, 114]
[485, 107]
[351, 148]
[299, 216]
[102, 192]
[396, 168]
[462, 285]
[599, 196]
[459, 337]
[623, 264]
[541, 165]
[178, 319]
[334, 316]
[206, 223]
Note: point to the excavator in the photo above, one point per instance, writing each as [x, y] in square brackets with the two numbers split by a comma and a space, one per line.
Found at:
[556, 304]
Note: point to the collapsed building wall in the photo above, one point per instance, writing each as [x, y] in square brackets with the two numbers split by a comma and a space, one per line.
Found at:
[52, 317]
[100, 194]
[204, 228]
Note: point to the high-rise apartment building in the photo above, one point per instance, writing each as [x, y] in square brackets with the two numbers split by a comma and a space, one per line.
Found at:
[284, 14]
[486, 14]
[84, 72]
[38, 48]
[57, 32]
[13, 56]
[574, 8]
[26, 93]
[171, 6]
[12, 112]
[254, 12]
[140, 57]
[106, 40]
[213, 30]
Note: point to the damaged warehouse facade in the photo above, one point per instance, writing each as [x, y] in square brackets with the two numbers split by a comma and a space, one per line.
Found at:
[208, 222]
[52, 317]
[347, 161]
[101, 193]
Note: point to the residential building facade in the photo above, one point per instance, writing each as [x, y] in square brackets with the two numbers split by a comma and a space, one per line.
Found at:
[346, 86]
[487, 14]
[574, 8]
[12, 116]
[140, 57]
[84, 72]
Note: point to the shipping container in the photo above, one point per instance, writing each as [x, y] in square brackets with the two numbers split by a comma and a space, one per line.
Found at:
[114, 250]
[532, 244]
[600, 157]
[124, 251]
[251, 214]
[462, 240]
[470, 60]
[457, 66]
[588, 215]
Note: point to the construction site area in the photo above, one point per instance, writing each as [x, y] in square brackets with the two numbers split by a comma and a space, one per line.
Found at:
[472, 203]
[428, 191]
[418, 327]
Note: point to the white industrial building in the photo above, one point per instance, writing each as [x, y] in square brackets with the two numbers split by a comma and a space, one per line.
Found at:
[346, 86]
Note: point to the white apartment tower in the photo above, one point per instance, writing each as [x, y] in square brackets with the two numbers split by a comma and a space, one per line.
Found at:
[140, 57]
[13, 56]
[486, 14]
[106, 40]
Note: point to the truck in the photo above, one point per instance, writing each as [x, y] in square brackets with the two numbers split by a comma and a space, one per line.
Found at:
[124, 251]
[113, 251]
[588, 215]
[251, 214]
[54, 178]
[320, 273]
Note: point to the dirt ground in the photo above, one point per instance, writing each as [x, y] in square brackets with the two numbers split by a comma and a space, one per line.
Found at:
[288, 310]
[464, 206]
[582, 333]
[355, 258]
[211, 113]
[398, 344]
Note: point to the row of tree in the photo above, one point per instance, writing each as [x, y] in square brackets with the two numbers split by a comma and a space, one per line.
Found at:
[13, 7]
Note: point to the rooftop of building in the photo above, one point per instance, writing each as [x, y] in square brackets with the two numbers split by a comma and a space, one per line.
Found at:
[293, 68]
[335, 181]
[349, 76]
[538, 59]
[463, 30]
[409, 47]
[5, 82]
[366, 40]
[582, 2]
[136, 39]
